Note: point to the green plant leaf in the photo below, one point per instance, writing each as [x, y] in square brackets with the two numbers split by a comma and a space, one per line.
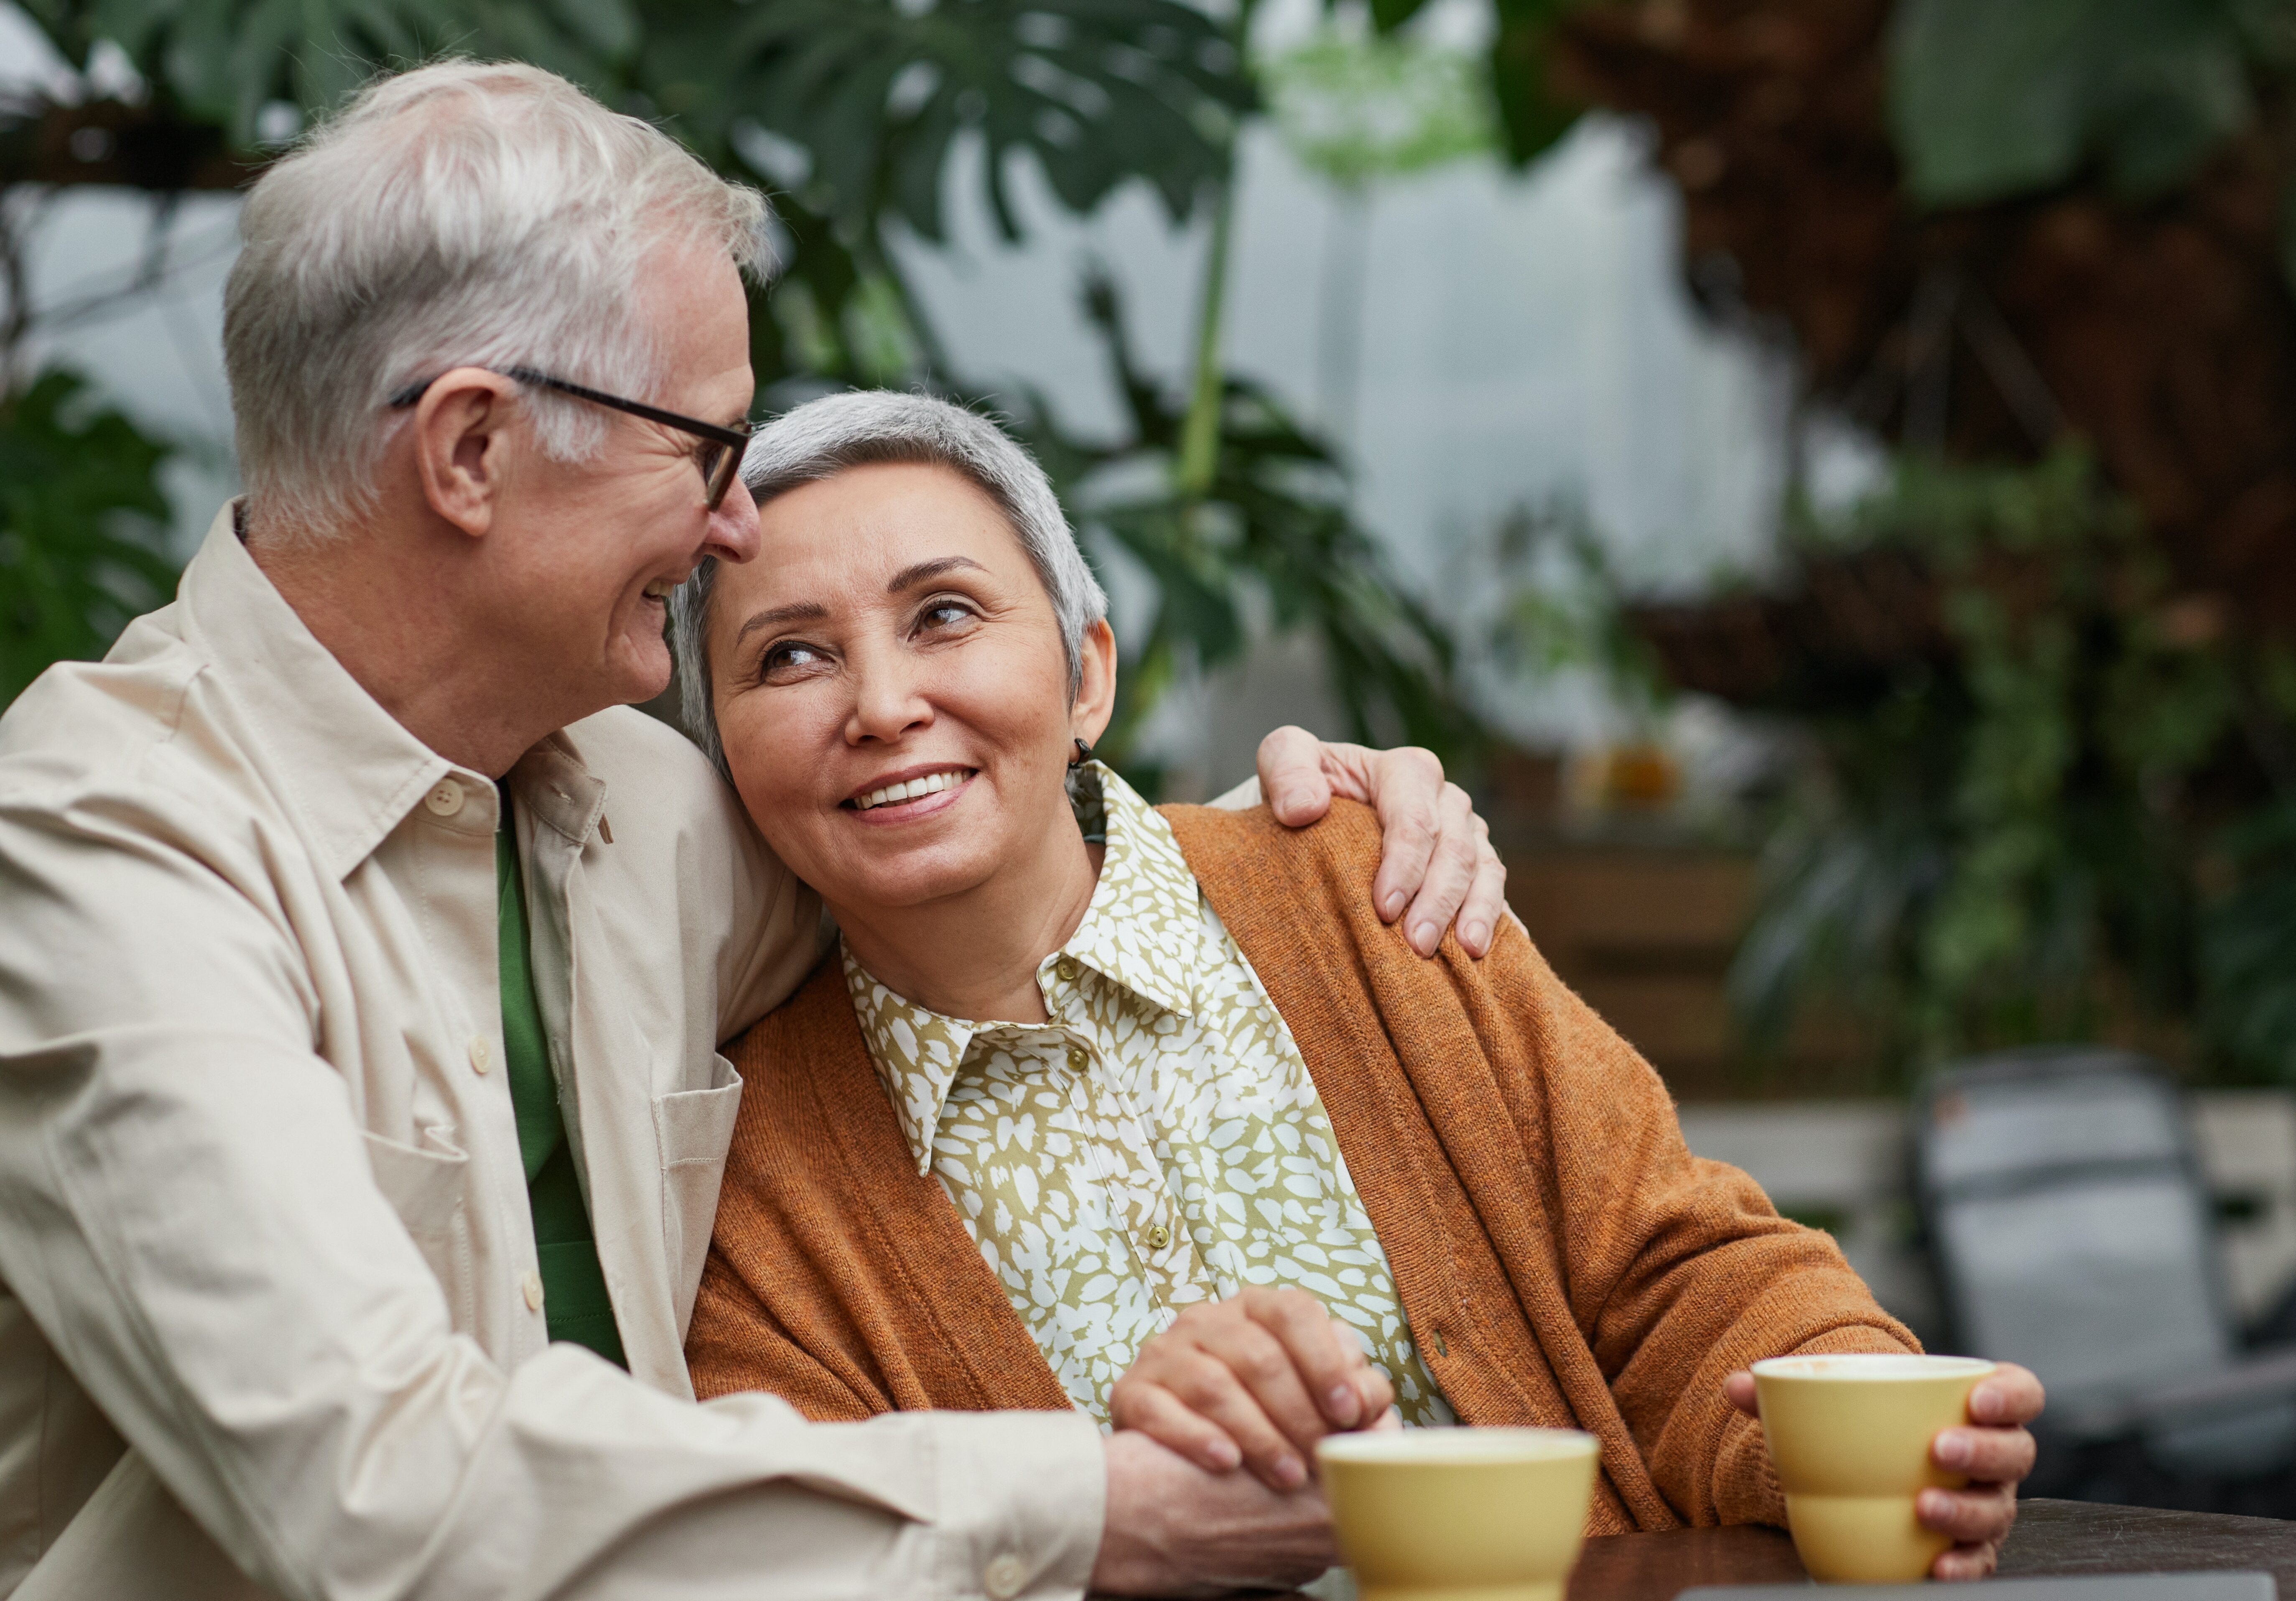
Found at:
[227, 59]
[1099, 92]
[609, 27]
[1388, 15]
[1995, 98]
[1530, 112]
[83, 528]
[1981, 856]
[1358, 109]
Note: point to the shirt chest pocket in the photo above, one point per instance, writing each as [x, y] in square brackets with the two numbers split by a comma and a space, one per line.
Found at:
[692, 1129]
[426, 1189]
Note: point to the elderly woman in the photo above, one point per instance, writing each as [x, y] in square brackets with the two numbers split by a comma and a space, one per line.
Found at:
[1085, 1070]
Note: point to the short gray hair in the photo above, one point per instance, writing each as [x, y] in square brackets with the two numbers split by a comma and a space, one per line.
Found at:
[822, 439]
[465, 213]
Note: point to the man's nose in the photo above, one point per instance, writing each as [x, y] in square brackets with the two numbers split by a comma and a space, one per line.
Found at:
[733, 526]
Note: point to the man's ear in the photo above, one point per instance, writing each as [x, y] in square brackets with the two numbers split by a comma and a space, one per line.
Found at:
[460, 428]
[1095, 698]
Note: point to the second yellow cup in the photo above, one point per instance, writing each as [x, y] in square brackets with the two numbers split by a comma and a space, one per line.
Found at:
[1850, 1437]
[1459, 1515]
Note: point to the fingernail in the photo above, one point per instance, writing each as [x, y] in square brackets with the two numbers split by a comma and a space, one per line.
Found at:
[1426, 936]
[1392, 906]
[1475, 935]
[1952, 1449]
[1221, 1456]
[1344, 1405]
[1289, 1472]
[1984, 1404]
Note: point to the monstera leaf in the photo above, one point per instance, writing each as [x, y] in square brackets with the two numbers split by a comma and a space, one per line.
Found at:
[876, 92]
[229, 59]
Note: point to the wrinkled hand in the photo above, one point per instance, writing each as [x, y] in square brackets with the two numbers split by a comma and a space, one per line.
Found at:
[1994, 1451]
[1256, 1379]
[1174, 1530]
[1435, 855]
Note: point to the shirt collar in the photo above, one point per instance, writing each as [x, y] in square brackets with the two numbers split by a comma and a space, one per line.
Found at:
[1142, 927]
[349, 770]
[1141, 930]
[915, 1050]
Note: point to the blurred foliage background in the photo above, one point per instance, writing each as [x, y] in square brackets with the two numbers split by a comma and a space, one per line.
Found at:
[2041, 688]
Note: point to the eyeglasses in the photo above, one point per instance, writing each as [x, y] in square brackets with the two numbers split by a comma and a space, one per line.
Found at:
[720, 457]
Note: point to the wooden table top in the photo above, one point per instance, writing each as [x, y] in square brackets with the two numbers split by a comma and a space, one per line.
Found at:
[2051, 1537]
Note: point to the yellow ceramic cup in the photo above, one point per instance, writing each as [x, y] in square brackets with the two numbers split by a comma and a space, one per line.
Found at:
[1850, 1437]
[1459, 1515]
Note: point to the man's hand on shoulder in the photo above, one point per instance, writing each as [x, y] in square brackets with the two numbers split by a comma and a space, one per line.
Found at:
[1174, 1530]
[1436, 864]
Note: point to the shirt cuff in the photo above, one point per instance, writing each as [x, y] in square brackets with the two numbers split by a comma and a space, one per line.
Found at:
[1243, 797]
[1024, 1496]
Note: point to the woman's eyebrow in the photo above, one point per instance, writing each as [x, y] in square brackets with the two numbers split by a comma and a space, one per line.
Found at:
[921, 572]
[797, 611]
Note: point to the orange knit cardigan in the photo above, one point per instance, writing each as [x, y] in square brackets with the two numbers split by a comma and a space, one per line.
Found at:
[1563, 1259]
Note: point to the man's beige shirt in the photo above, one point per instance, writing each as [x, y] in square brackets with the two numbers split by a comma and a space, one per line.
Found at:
[1156, 1142]
[270, 1286]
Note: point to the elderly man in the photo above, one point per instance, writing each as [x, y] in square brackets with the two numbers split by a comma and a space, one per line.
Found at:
[363, 959]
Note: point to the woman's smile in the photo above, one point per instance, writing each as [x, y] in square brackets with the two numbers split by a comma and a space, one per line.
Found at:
[909, 793]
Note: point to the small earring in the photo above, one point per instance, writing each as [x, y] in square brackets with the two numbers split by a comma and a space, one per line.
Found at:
[1084, 754]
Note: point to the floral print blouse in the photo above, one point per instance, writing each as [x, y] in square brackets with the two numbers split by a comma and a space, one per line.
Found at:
[1158, 1142]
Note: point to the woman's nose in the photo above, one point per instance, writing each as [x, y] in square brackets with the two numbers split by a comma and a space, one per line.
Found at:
[887, 699]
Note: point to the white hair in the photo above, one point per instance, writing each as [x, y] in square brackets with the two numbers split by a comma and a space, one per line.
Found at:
[822, 439]
[465, 213]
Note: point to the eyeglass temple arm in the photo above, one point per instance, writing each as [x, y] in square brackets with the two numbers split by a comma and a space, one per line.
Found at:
[732, 438]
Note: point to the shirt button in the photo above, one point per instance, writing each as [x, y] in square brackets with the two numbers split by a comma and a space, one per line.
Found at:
[1067, 968]
[1004, 1577]
[446, 797]
[1076, 1058]
[1159, 1237]
[482, 1054]
[532, 1285]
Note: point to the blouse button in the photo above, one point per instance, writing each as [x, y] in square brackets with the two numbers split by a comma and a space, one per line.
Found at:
[1159, 1237]
[1076, 1058]
[1067, 968]
[481, 1055]
[445, 798]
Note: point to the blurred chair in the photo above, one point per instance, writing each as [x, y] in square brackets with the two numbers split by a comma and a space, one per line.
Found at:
[2073, 1233]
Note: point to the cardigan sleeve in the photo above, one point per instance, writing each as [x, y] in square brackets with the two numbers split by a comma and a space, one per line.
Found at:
[1678, 1270]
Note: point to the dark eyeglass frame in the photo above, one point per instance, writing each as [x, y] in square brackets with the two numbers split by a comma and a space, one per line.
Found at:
[718, 469]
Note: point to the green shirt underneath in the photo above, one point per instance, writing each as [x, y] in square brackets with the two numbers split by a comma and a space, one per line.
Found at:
[574, 1300]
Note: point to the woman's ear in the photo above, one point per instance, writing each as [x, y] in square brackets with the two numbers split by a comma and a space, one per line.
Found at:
[1095, 697]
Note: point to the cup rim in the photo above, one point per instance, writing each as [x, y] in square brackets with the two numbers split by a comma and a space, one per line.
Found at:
[1457, 1446]
[1870, 1368]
